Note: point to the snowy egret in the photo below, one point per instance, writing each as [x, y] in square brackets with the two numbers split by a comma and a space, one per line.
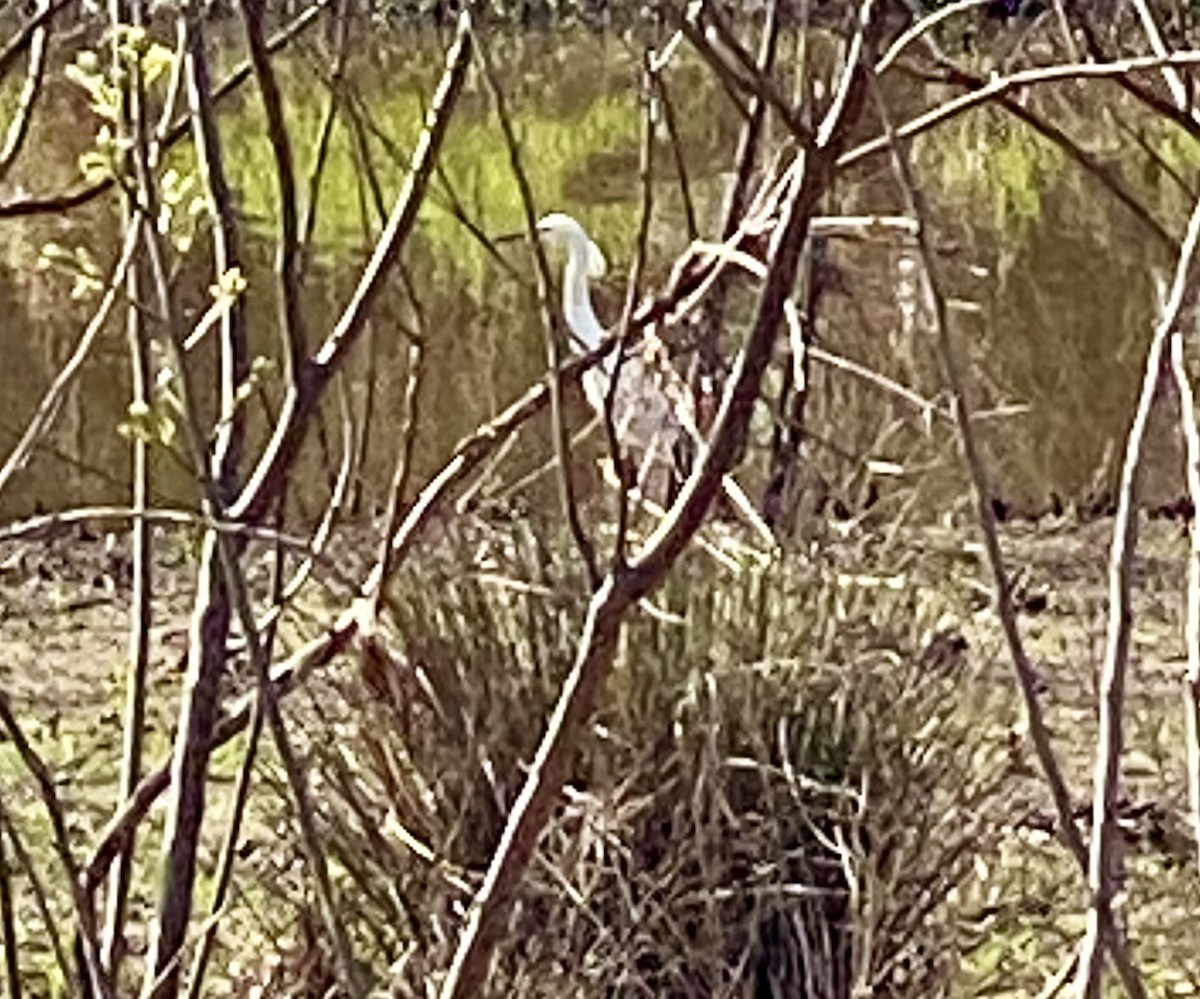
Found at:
[644, 417]
[653, 413]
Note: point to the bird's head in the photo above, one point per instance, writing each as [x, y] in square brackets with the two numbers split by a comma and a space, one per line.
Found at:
[559, 229]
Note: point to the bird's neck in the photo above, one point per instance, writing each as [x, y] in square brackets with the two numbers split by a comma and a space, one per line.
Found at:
[577, 306]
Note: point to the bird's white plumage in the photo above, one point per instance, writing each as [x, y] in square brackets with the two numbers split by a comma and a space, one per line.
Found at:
[650, 413]
[642, 412]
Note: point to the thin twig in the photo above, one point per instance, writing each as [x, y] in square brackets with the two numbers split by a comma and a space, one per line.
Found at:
[302, 398]
[283, 595]
[18, 128]
[921, 29]
[25, 34]
[47, 410]
[46, 524]
[1004, 85]
[40, 898]
[1103, 860]
[658, 83]
[554, 337]
[1175, 85]
[1110, 179]
[1057, 983]
[742, 75]
[92, 971]
[224, 876]
[1191, 692]
[131, 122]
[632, 291]
[59, 203]
[287, 258]
[308, 219]
[8, 924]
[401, 474]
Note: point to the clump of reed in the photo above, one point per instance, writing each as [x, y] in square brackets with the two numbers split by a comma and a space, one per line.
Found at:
[781, 794]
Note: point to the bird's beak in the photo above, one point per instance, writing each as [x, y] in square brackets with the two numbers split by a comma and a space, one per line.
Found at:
[515, 237]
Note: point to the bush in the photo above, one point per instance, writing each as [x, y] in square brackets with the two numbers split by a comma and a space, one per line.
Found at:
[782, 795]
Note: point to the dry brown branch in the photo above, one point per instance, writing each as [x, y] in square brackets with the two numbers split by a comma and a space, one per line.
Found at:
[288, 252]
[623, 587]
[1104, 862]
[300, 403]
[553, 335]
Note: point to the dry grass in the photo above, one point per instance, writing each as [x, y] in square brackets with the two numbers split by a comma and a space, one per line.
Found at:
[785, 793]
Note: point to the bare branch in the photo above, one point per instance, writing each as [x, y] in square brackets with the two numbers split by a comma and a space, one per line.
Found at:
[43, 418]
[1191, 693]
[300, 403]
[1103, 863]
[25, 34]
[8, 925]
[632, 291]
[288, 260]
[38, 890]
[92, 973]
[23, 206]
[1005, 85]
[308, 221]
[400, 475]
[18, 128]
[554, 337]
[131, 127]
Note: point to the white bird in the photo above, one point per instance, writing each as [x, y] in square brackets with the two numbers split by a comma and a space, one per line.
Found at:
[653, 413]
[645, 419]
